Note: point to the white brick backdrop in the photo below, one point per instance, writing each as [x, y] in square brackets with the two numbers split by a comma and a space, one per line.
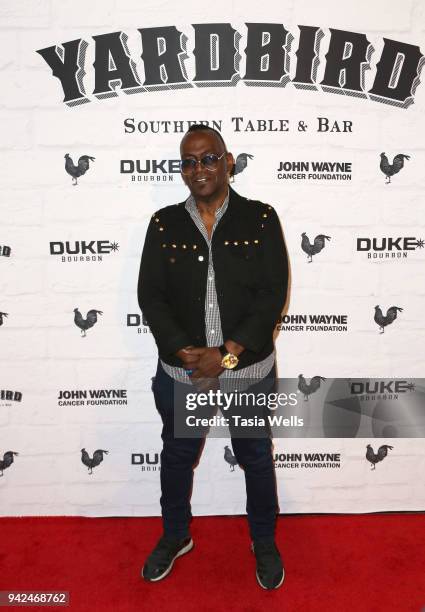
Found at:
[41, 350]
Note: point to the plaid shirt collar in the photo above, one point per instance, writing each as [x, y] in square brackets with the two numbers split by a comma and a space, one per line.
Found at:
[193, 209]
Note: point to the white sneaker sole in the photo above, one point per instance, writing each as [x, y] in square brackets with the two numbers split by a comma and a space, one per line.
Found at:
[276, 587]
[181, 552]
[258, 579]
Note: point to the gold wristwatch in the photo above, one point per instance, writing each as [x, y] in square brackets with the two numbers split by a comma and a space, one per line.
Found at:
[229, 360]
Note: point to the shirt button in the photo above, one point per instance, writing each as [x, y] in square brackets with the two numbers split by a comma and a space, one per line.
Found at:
[210, 278]
[210, 305]
[200, 258]
[212, 331]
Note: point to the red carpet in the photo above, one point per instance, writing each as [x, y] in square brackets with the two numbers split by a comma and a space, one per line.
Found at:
[355, 563]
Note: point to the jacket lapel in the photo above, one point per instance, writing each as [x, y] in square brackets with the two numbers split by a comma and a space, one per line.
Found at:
[232, 212]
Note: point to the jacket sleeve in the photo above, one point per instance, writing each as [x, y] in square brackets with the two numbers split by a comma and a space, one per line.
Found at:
[151, 293]
[265, 309]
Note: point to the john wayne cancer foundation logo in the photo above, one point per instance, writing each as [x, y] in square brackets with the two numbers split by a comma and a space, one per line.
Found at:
[294, 460]
[307, 460]
[314, 171]
[313, 323]
[92, 397]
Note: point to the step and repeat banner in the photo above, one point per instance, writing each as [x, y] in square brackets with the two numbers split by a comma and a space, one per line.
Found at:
[322, 106]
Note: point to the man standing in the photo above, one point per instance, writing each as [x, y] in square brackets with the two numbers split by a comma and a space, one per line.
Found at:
[212, 284]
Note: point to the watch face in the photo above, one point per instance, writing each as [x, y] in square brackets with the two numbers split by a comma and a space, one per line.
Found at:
[229, 361]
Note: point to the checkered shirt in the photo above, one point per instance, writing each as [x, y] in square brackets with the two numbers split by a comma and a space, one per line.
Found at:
[213, 331]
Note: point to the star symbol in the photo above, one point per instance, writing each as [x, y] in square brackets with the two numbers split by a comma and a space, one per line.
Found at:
[420, 243]
[114, 246]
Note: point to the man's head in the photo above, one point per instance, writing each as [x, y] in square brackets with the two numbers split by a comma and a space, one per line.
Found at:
[208, 179]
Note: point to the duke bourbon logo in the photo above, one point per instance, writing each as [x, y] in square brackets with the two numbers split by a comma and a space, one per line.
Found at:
[83, 250]
[147, 462]
[388, 247]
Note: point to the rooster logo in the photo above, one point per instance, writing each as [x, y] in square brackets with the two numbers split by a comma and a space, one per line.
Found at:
[389, 317]
[80, 169]
[7, 461]
[380, 456]
[390, 169]
[316, 247]
[311, 387]
[230, 458]
[3, 315]
[95, 461]
[86, 323]
[241, 163]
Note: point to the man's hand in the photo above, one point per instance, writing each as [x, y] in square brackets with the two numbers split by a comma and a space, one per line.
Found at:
[209, 362]
[234, 347]
[189, 359]
[207, 368]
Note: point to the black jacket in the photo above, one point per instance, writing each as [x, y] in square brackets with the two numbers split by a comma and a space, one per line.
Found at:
[251, 276]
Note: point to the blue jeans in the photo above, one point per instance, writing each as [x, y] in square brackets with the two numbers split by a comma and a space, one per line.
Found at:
[179, 456]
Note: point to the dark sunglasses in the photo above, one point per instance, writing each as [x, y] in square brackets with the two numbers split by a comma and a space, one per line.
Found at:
[210, 162]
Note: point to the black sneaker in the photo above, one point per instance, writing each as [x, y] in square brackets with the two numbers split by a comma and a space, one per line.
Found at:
[160, 562]
[270, 572]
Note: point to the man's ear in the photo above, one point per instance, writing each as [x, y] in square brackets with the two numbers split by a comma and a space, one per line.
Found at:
[230, 163]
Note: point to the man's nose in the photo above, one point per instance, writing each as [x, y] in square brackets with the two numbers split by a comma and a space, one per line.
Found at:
[198, 167]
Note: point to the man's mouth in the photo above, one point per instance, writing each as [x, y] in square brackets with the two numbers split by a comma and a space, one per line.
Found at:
[200, 180]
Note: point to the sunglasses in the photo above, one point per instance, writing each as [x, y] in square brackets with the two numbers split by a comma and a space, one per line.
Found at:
[210, 162]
